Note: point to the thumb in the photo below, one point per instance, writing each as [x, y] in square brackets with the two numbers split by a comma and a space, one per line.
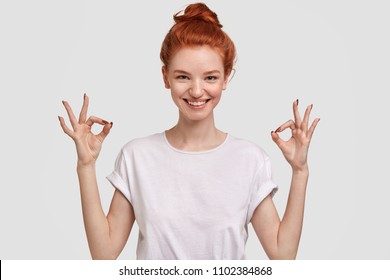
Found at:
[106, 130]
[276, 138]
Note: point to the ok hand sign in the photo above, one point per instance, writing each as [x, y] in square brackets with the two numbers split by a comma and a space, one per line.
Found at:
[88, 145]
[295, 149]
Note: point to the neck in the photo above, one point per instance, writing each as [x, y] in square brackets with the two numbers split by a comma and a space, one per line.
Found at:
[195, 135]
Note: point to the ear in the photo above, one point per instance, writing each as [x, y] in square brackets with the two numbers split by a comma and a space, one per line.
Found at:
[225, 83]
[227, 78]
[165, 77]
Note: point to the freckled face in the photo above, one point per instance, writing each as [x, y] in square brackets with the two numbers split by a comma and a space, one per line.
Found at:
[196, 79]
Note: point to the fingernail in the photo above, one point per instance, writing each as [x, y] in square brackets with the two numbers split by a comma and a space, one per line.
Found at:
[59, 118]
[111, 124]
[278, 129]
[297, 102]
[105, 122]
[85, 95]
[272, 132]
[311, 106]
[63, 101]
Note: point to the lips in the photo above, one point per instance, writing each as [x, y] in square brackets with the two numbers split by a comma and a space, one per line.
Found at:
[197, 104]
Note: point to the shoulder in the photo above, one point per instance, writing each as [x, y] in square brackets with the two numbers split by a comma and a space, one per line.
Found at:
[142, 143]
[248, 148]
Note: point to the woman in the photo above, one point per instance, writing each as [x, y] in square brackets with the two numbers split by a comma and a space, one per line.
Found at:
[193, 189]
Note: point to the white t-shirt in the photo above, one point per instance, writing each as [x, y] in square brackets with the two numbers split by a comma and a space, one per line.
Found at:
[192, 205]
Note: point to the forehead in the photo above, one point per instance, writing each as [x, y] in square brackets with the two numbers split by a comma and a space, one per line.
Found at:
[200, 57]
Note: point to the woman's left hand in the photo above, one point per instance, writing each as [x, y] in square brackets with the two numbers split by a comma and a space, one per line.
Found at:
[295, 149]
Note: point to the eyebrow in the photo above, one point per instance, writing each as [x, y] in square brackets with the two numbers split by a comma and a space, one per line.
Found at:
[206, 73]
[212, 72]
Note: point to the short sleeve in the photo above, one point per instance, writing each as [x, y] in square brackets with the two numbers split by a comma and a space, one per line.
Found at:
[262, 186]
[119, 178]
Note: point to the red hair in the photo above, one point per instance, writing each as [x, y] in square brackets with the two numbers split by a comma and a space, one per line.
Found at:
[198, 26]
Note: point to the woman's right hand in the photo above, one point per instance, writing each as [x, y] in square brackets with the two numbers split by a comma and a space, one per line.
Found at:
[88, 145]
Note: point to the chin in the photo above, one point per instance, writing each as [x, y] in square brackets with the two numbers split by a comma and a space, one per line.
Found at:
[196, 116]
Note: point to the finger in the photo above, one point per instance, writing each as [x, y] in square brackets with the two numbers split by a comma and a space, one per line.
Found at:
[106, 130]
[305, 122]
[64, 127]
[84, 109]
[275, 137]
[297, 116]
[92, 119]
[287, 124]
[312, 127]
[72, 118]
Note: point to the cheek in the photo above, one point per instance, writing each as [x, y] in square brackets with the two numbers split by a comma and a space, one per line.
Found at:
[178, 89]
[216, 90]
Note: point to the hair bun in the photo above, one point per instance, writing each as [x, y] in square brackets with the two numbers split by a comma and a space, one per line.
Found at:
[197, 11]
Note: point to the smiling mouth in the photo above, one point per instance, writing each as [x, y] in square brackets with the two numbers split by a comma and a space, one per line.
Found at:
[197, 103]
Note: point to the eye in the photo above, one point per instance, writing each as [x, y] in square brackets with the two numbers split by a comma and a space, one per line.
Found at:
[182, 77]
[211, 78]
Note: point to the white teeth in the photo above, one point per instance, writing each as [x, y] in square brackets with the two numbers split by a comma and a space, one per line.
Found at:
[197, 103]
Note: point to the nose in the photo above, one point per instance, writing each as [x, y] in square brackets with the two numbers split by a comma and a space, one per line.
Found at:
[196, 89]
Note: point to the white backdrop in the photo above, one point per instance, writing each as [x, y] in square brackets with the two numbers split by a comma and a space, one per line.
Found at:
[332, 53]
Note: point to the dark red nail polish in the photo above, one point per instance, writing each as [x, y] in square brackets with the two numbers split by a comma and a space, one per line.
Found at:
[85, 95]
[297, 102]
[105, 122]
[278, 129]
[59, 118]
[112, 124]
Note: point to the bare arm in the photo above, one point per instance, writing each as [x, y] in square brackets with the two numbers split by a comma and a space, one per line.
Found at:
[106, 235]
[280, 238]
